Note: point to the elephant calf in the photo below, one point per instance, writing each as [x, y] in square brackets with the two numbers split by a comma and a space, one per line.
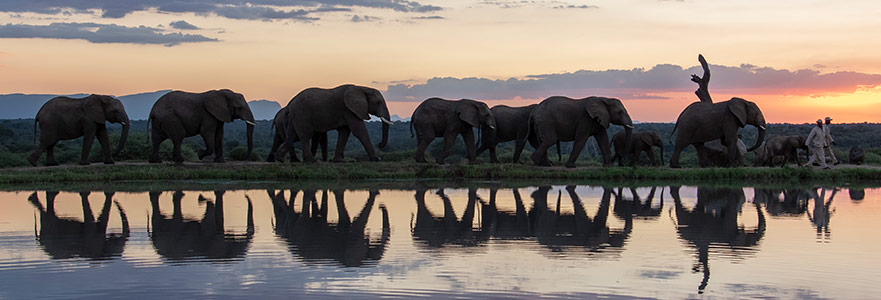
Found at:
[716, 154]
[786, 146]
[437, 117]
[639, 142]
[279, 140]
[64, 118]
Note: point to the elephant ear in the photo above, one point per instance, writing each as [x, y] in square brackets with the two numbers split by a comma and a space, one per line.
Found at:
[356, 101]
[93, 107]
[467, 112]
[217, 104]
[737, 107]
[647, 139]
[599, 111]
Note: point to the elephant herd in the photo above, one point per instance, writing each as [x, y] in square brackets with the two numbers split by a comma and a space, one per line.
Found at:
[313, 112]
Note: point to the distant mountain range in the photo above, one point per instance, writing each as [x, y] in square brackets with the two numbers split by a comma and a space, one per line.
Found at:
[25, 106]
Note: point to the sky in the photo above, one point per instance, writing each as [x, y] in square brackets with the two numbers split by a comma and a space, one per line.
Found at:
[798, 60]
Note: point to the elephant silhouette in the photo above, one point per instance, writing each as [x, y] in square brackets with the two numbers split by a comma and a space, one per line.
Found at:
[64, 238]
[179, 239]
[627, 209]
[311, 237]
[713, 222]
[793, 203]
[438, 231]
[503, 225]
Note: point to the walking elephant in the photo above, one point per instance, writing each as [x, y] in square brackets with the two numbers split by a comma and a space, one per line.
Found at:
[180, 238]
[702, 122]
[565, 119]
[279, 140]
[436, 117]
[178, 114]
[512, 124]
[64, 238]
[344, 109]
[64, 118]
[639, 142]
[787, 146]
[311, 237]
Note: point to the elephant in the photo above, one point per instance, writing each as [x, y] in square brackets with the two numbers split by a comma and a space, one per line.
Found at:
[856, 155]
[713, 222]
[344, 109]
[436, 117]
[178, 114]
[277, 151]
[627, 209]
[716, 153]
[436, 232]
[702, 122]
[640, 142]
[503, 225]
[558, 231]
[312, 237]
[64, 118]
[177, 238]
[564, 119]
[512, 124]
[787, 146]
[64, 238]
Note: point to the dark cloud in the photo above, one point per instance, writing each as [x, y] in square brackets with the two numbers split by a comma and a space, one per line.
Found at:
[429, 18]
[101, 33]
[637, 83]
[364, 18]
[183, 25]
[234, 9]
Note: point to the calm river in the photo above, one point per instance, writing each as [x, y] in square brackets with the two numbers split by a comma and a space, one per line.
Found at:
[419, 239]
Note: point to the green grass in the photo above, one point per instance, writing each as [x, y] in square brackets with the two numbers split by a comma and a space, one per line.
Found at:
[411, 170]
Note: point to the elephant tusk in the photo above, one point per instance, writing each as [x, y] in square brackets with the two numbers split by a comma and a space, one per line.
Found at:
[384, 120]
[628, 126]
[122, 123]
[250, 123]
[762, 127]
[492, 127]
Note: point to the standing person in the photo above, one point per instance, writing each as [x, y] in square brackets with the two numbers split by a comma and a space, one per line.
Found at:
[829, 141]
[817, 141]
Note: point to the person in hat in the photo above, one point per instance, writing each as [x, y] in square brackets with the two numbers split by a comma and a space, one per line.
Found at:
[829, 141]
[817, 141]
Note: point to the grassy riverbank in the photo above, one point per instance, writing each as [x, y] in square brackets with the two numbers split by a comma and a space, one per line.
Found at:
[409, 170]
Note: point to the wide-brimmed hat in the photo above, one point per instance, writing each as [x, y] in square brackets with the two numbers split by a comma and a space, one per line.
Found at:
[819, 120]
[828, 119]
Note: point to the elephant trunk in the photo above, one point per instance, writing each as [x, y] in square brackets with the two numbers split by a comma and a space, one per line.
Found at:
[122, 138]
[250, 133]
[759, 139]
[628, 135]
[661, 146]
[385, 127]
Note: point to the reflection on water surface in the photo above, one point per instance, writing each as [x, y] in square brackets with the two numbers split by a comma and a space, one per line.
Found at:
[478, 240]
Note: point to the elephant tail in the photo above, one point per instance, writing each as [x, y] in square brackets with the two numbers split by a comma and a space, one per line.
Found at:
[411, 128]
[35, 130]
[149, 118]
[559, 154]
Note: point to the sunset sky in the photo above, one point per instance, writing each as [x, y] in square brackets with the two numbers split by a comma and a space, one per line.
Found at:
[799, 60]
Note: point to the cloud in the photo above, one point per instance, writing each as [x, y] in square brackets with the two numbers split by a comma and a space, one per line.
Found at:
[233, 9]
[637, 83]
[583, 6]
[183, 25]
[365, 18]
[101, 33]
[428, 18]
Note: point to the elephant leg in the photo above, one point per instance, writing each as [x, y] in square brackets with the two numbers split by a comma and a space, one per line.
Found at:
[540, 156]
[674, 158]
[207, 137]
[602, 139]
[577, 146]
[359, 130]
[156, 138]
[50, 155]
[449, 141]
[305, 137]
[175, 152]
[732, 150]
[88, 138]
[218, 144]
[35, 156]
[422, 143]
[518, 149]
[651, 157]
[277, 143]
[702, 156]
[104, 140]
[323, 141]
[468, 137]
[341, 141]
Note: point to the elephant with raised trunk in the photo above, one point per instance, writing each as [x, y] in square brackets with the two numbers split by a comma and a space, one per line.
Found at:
[64, 118]
[782, 145]
[640, 142]
[512, 124]
[178, 114]
[565, 119]
[344, 109]
[279, 140]
[702, 122]
[64, 238]
[436, 117]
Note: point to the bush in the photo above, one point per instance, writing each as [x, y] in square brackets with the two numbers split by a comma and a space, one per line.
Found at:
[239, 153]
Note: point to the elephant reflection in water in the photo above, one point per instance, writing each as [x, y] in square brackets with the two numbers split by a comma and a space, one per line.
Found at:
[627, 209]
[714, 221]
[436, 232]
[310, 236]
[179, 238]
[793, 204]
[821, 212]
[69, 238]
[551, 228]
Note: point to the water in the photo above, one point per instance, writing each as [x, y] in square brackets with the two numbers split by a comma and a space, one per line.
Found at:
[415, 239]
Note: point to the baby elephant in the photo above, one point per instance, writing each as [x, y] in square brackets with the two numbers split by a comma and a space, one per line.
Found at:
[782, 145]
[856, 155]
[63, 118]
[437, 117]
[640, 142]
